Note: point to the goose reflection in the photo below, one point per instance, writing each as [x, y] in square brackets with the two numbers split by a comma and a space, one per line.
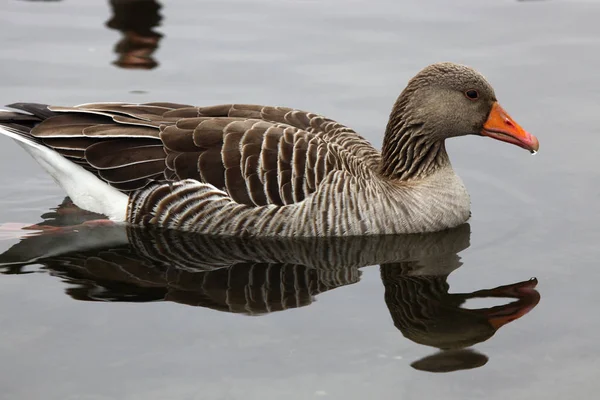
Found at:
[136, 20]
[114, 263]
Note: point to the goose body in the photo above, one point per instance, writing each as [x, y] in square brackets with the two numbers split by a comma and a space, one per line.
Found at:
[268, 171]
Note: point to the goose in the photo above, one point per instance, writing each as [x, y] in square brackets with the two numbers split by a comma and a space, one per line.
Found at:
[254, 170]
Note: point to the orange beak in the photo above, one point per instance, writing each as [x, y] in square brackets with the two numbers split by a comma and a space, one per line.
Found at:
[501, 126]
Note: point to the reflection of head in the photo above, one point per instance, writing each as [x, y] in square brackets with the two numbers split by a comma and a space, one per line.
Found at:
[136, 20]
[425, 313]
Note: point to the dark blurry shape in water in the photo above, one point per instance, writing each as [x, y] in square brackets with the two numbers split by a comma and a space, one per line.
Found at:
[451, 360]
[108, 262]
[135, 19]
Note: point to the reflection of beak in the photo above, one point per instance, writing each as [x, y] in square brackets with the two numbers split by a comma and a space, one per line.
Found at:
[527, 297]
[510, 312]
[501, 126]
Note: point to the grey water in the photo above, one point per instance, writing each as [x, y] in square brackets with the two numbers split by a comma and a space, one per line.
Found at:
[129, 315]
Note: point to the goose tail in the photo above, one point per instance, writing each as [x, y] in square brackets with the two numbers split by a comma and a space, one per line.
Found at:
[84, 188]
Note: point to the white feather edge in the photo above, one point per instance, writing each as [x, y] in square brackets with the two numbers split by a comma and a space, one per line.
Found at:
[84, 188]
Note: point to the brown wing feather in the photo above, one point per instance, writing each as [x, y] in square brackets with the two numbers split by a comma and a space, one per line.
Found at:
[67, 125]
[259, 155]
[211, 167]
[128, 173]
[185, 165]
[120, 131]
[116, 153]
[70, 143]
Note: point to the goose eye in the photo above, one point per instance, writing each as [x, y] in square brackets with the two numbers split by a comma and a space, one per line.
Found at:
[472, 94]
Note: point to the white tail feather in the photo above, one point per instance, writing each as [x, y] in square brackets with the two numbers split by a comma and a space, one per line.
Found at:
[84, 188]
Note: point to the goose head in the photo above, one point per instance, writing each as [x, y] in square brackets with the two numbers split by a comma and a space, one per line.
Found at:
[446, 100]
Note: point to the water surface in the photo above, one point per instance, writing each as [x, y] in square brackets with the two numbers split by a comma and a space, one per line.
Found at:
[532, 216]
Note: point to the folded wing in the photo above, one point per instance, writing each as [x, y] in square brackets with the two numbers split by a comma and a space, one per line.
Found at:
[258, 154]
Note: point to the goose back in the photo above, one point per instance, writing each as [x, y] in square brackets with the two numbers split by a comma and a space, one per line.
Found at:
[257, 154]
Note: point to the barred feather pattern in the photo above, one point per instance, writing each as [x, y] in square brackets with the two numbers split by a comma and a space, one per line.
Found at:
[342, 206]
[409, 152]
[208, 252]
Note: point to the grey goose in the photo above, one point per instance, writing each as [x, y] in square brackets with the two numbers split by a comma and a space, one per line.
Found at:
[239, 170]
